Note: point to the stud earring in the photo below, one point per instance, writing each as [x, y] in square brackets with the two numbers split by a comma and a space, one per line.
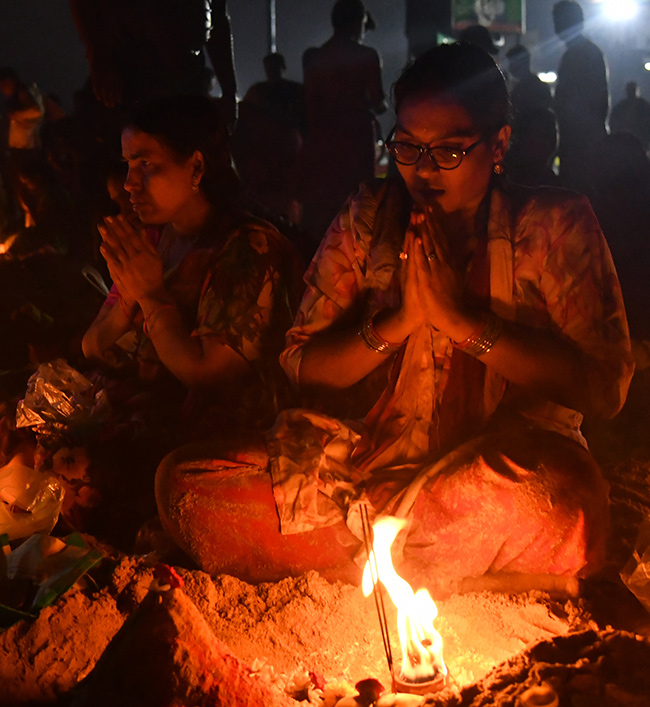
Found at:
[498, 168]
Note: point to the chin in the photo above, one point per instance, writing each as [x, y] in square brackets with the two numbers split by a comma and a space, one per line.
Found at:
[150, 219]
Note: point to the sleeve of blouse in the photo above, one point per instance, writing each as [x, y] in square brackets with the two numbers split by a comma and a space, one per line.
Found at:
[112, 297]
[242, 290]
[333, 279]
[585, 303]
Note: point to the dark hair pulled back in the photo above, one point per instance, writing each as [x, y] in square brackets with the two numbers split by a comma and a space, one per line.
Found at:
[189, 123]
[463, 73]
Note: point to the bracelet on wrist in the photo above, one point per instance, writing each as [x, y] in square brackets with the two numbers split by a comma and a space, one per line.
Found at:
[152, 316]
[484, 338]
[374, 341]
[125, 310]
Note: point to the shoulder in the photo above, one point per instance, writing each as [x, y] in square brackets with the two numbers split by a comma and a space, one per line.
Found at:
[521, 199]
[584, 50]
[370, 227]
[352, 230]
[363, 208]
[255, 250]
[368, 56]
[550, 216]
[258, 237]
[368, 51]
[255, 91]
[592, 48]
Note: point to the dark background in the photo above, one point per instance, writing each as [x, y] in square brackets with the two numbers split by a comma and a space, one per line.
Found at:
[39, 39]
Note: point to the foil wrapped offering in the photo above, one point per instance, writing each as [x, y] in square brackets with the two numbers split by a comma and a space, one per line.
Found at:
[59, 400]
[30, 501]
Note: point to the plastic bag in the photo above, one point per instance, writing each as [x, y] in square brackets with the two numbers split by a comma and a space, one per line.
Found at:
[30, 501]
[39, 571]
[636, 573]
[60, 401]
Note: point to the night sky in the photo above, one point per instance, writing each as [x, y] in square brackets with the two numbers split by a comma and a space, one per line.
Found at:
[38, 38]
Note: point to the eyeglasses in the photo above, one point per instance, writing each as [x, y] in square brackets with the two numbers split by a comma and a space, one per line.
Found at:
[442, 156]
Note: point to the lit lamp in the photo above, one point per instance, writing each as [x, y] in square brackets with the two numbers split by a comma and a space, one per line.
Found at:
[423, 669]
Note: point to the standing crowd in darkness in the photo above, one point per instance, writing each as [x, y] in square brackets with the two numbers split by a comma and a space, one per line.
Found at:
[287, 333]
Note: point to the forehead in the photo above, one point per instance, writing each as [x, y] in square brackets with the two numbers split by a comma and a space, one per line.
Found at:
[434, 117]
[136, 143]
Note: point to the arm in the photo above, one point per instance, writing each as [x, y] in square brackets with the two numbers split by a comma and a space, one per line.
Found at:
[196, 361]
[433, 294]
[113, 321]
[218, 353]
[562, 367]
[376, 96]
[220, 51]
[323, 346]
[234, 319]
[581, 358]
[338, 360]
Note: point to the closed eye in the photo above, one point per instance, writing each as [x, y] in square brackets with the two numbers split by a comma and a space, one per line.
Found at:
[448, 149]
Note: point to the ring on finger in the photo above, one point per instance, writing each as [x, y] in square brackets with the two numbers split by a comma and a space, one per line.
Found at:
[403, 255]
[432, 256]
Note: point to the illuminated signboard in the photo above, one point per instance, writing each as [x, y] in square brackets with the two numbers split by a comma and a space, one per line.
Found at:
[496, 15]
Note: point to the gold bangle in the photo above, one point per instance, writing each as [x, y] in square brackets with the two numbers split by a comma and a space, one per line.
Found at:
[479, 343]
[374, 341]
[152, 316]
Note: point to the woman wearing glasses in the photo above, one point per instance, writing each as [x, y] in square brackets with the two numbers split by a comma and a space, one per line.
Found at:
[492, 319]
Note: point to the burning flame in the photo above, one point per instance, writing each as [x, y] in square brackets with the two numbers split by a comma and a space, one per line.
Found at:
[7, 243]
[421, 643]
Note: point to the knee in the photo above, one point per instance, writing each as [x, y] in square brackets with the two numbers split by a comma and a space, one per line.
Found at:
[164, 484]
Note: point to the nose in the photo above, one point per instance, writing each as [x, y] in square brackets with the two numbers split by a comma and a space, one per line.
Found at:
[426, 163]
[132, 181]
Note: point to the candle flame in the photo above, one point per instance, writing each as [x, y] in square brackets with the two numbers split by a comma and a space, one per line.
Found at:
[7, 243]
[416, 611]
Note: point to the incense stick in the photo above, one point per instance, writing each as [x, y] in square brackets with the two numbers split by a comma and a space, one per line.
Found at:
[377, 593]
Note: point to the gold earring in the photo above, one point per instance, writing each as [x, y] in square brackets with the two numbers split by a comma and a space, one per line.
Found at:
[195, 187]
[498, 168]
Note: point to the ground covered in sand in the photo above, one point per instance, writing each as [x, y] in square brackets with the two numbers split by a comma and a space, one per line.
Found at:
[306, 639]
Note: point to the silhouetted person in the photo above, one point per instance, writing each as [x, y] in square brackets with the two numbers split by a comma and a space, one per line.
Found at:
[480, 37]
[632, 115]
[581, 98]
[424, 20]
[138, 49]
[268, 137]
[307, 56]
[343, 92]
[532, 149]
[278, 97]
[622, 204]
[528, 91]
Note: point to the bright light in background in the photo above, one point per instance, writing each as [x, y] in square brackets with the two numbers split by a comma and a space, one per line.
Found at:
[548, 76]
[620, 10]
[646, 66]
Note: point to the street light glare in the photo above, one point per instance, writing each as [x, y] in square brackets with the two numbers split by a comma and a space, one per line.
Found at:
[620, 10]
[547, 76]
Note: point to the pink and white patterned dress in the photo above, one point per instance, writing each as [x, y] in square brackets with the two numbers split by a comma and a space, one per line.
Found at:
[544, 264]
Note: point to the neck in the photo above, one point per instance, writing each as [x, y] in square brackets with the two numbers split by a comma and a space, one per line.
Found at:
[192, 221]
[573, 37]
[353, 34]
[473, 221]
[464, 228]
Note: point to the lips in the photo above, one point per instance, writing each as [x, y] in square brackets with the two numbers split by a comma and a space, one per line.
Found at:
[429, 194]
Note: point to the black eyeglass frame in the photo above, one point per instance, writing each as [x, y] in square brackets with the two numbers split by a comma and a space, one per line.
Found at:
[428, 151]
